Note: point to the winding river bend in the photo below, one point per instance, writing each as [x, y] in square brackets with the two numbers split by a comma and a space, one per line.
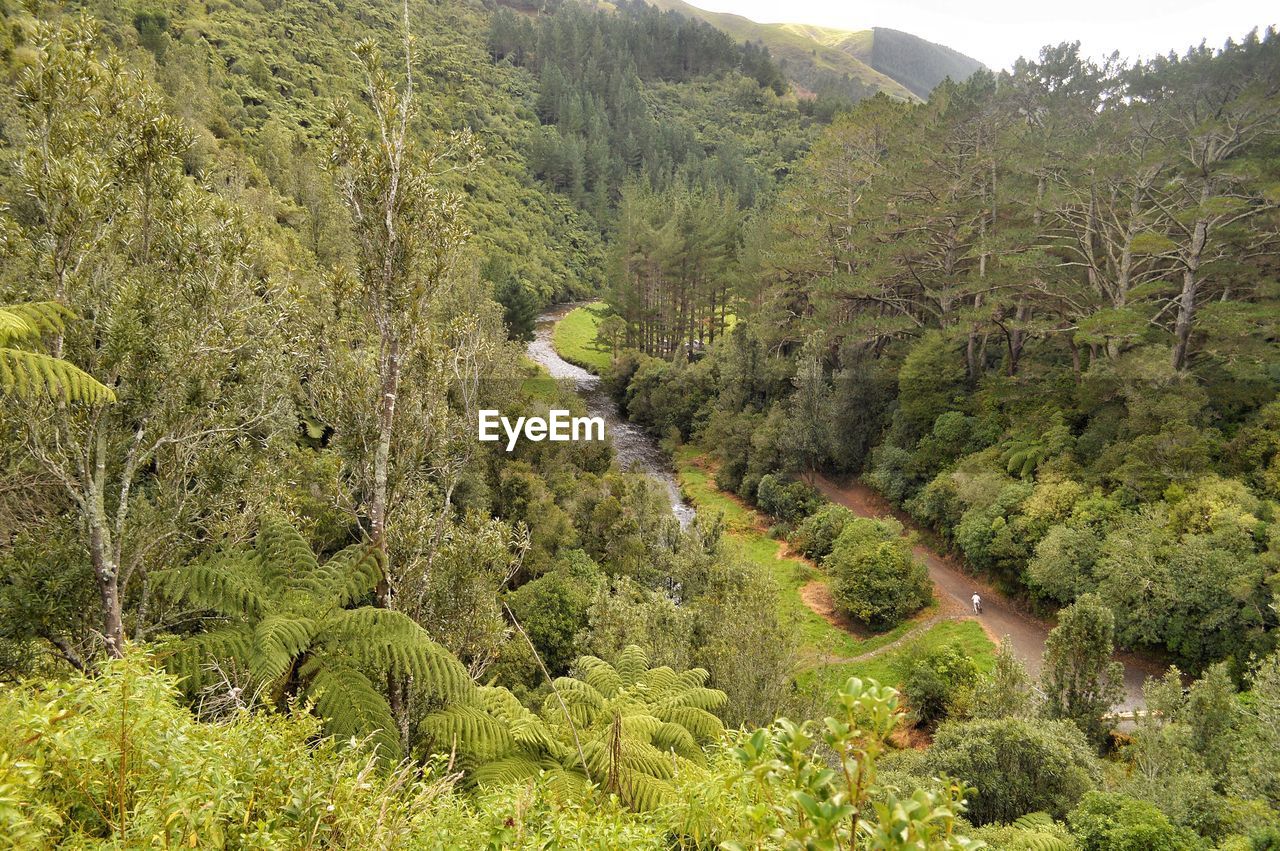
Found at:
[634, 448]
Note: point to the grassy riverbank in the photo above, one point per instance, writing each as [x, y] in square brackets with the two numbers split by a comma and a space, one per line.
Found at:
[575, 338]
[825, 644]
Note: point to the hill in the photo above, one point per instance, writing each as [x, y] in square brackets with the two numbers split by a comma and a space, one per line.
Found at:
[860, 63]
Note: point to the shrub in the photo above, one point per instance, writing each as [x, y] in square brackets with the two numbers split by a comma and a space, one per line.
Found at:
[876, 577]
[788, 501]
[817, 533]
[933, 678]
[1020, 766]
[1107, 821]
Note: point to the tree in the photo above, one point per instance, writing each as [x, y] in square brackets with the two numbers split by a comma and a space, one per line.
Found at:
[626, 727]
[1005, 692]
[282, 623]
[1217, 106]
[176, 305]
[409, 227]
[875, 575]
[1081, 682]
[1022, 766]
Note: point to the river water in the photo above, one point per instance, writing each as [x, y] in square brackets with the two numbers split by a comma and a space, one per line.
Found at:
[632, 445]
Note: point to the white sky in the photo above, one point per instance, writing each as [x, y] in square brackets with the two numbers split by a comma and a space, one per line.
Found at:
[997, 32]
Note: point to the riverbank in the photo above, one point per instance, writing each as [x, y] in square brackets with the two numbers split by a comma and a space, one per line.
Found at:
[833, 648]
[574, 338]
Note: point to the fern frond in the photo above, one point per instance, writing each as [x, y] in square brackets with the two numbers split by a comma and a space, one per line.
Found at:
[349, 576]
[283, 554]
[583, 700]
[188, 658]
[673, 737]
[471, 731]
[510, 769]
[351, 705]
[277, 641]
[21, 323]
[659, 679]
[220, 585]
[632, 664]
[701, 724]
[599, 674]
[700, 698]
[391, 641]
[29, 374]
[527, 730]
[1035, 821]
[643, 793]
[692, 678]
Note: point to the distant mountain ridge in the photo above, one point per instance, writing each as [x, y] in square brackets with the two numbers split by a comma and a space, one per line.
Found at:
[877, 60]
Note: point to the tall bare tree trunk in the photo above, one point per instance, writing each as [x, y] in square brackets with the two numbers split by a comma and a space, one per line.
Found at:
[389, 367]
[1190, 289]
[106, 571]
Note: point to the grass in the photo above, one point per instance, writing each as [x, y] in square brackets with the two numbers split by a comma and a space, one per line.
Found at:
[822, 640]
[745, 528]
[575, 340]
[965, 633]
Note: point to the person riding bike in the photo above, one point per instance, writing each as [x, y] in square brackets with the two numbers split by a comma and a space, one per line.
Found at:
[977, 603]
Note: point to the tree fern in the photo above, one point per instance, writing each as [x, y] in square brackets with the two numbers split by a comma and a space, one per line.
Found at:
[286, 619]
[25, 373]
[637, 727]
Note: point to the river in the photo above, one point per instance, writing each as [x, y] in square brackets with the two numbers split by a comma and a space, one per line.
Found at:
[633, 446]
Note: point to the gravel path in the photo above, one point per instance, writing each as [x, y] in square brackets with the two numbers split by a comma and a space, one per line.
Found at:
[954, 587]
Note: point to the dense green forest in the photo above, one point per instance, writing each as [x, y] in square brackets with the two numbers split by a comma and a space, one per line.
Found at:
[262, 263]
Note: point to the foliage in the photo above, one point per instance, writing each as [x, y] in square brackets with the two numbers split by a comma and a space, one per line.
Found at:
[876, 577]
[790, 502]
[1022, 766]
[282, 625]
[1105, 820]
[24, 373]
[817, 534]
[626, 727]
[1080, 681]
[934, 679]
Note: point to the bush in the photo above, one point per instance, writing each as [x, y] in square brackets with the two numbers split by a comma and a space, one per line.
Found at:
[553, 608]
[790, 502]
[1106, 821]
[114, 759]
[817, 533]
[876, 577]
[933, 678]
[1019, 766]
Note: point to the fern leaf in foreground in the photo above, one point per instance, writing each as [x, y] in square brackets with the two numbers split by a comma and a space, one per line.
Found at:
[283, 618]
[27, 374]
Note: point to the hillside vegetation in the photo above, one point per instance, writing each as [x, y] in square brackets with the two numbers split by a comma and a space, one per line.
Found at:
[262, 586]
[857, 64]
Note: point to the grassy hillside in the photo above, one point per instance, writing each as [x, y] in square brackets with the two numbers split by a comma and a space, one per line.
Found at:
[876, 60]
[808, 63]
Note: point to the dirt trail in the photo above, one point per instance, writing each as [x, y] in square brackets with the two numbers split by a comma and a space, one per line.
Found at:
[1001, 616]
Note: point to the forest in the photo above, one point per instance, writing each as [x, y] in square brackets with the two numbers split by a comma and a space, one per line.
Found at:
[262, 262]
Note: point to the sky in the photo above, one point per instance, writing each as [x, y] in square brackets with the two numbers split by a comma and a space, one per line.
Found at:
[996, 32]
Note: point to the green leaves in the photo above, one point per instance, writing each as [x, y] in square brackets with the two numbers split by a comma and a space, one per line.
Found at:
[27, 374]
[287, 624]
